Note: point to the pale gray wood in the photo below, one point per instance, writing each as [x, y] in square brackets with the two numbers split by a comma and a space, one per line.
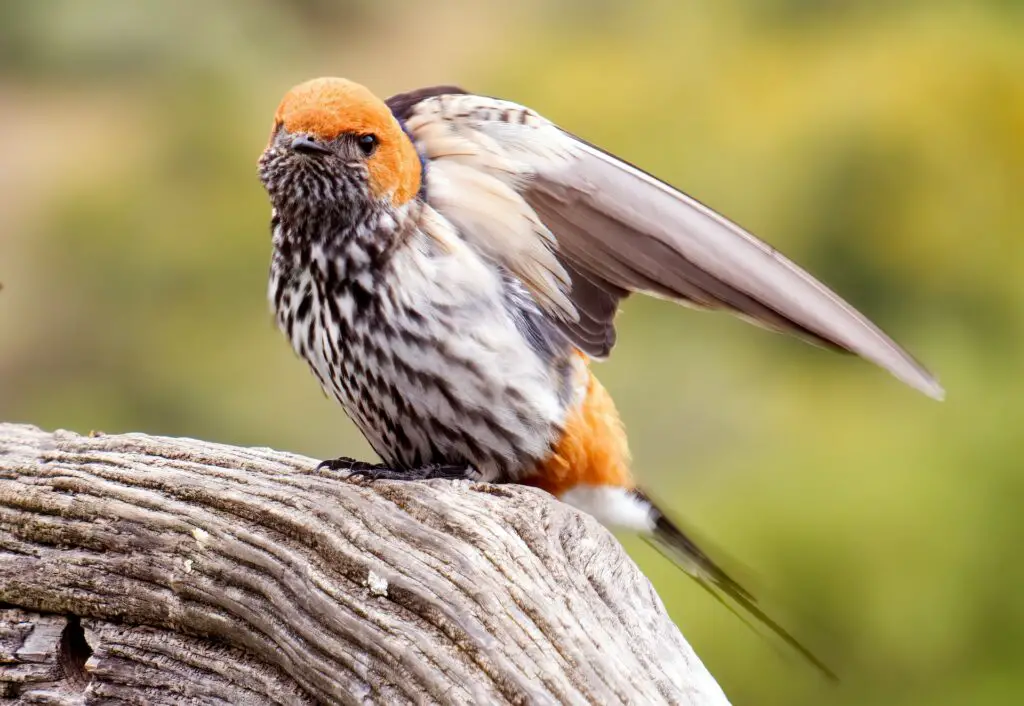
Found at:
[205, 573]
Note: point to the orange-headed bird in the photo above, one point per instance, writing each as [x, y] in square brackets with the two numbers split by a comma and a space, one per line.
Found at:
[449, 263]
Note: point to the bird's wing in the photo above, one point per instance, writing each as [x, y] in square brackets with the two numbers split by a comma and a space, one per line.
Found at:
[582, 229]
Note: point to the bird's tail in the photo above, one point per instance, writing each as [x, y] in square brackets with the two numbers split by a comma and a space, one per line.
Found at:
[679, 548]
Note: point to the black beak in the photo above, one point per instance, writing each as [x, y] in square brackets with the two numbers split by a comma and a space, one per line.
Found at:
[307, 145]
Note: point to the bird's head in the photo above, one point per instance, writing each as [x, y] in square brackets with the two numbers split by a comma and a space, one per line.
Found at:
[336, 147]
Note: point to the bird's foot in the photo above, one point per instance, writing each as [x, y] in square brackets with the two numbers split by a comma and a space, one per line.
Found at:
[378, 471]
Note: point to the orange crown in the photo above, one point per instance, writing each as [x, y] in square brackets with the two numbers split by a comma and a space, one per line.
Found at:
[328, 107]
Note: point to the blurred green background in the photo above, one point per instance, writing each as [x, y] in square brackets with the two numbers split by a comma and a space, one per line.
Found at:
[881, 144]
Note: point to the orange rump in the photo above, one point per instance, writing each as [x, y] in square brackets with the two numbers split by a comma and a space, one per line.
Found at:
[593, 449]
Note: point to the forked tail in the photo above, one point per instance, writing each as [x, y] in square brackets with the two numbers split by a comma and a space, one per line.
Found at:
[675, 545]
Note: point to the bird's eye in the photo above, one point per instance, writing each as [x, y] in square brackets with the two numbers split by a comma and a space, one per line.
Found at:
[367, 144]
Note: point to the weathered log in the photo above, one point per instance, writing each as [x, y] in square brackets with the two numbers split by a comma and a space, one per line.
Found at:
[139, 569]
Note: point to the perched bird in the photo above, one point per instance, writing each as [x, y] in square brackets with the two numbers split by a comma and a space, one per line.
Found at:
[448, 264]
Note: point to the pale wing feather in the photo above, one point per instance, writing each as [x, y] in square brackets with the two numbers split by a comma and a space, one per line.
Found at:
[644, 235]
[675, 242]
[623, 230]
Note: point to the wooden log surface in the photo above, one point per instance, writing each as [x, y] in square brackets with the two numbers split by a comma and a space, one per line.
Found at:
[143, 569]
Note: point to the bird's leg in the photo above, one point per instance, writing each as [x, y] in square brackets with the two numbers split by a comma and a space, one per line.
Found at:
[344, 463]
[380, 471]
[426, 472]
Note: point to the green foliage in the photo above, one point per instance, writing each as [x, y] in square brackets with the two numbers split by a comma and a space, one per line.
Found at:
[882, 145]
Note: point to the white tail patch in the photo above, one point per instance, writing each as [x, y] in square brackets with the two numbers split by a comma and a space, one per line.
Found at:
[613, 507]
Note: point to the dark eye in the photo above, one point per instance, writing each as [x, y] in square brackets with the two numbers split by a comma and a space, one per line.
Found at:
[367, 144]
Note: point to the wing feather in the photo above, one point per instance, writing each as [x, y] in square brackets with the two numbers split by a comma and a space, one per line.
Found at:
[607, 228]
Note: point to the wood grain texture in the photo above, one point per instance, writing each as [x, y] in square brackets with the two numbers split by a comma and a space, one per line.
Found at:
[139, 569]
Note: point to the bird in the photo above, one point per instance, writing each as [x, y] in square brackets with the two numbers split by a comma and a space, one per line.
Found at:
[449, 265]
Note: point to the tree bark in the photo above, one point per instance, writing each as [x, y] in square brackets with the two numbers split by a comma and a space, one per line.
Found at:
[140, 569]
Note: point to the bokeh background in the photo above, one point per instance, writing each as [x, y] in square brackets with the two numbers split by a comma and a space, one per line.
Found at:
[881, 144]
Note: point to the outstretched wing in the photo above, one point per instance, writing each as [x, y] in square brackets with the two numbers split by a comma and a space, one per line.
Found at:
[583, 229]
